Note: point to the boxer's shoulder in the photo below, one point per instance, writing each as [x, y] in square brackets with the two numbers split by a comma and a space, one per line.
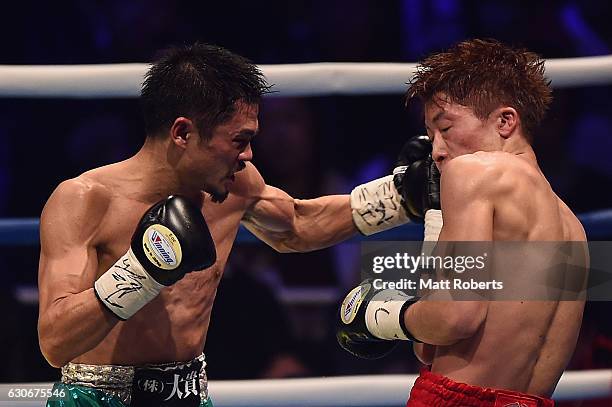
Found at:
[249, 182]
[70, 216]
[496, 172]
[81, 192]
[77, 205]
[488, 161]
[470, 174]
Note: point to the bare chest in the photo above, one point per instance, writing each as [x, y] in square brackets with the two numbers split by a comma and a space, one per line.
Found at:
[115, 235]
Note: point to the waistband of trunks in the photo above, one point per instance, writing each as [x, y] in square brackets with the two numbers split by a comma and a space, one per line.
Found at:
[116, 380]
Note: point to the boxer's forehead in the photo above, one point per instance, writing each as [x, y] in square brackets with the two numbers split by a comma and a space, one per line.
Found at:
[244, 121]
[442, 108]
[245, 118]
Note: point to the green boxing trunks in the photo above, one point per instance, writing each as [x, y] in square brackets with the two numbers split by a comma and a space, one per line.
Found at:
[179, 384]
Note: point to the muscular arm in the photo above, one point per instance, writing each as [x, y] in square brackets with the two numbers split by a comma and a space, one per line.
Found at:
[71, 319]
[467, 205]
[297, 225]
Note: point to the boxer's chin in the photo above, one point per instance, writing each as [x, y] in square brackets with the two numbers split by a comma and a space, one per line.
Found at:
[218, 197]
[219, 193]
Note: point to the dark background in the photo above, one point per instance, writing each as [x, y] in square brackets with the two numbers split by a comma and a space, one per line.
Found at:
[307, 146]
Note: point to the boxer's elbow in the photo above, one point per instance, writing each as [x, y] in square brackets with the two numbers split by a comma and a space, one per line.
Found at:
[51, 345]
[282, 242]
[465, 319]
[305, 226]
[424, 352]
[294, 245]
[52, 351]
[53, 358]
[308, 236]
[281, 247]
[297, 239]
[285, 237]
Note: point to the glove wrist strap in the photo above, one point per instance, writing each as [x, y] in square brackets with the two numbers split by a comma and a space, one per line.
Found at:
[376, 206]
[433, 225]
[126, 287]
[385, 314]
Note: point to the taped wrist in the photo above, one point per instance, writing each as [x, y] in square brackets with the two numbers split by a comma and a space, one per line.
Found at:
[126, 287]
[384, 315]
[376, 206]
[433, 225]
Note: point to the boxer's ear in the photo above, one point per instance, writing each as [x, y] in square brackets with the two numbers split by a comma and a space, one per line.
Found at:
[181, 130]
[507, 120]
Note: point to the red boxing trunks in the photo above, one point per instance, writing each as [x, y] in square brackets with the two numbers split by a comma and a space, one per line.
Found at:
[431, 390]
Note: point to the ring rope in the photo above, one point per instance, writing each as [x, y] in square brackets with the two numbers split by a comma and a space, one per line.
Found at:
[25, 231]
[313, 79]
[354, 391]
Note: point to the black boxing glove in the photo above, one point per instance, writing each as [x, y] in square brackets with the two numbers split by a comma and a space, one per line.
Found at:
[371, 320]
[382, 203]
[417, 148]
[170, 240]
[417, 179]
[419, 186]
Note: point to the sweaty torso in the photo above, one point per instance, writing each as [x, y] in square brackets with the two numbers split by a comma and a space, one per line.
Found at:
[173, 326]
[522, 345]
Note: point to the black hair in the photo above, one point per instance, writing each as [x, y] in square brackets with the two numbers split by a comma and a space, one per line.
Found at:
[201, 82]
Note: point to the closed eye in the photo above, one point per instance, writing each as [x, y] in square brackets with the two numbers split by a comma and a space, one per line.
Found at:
[241, 144]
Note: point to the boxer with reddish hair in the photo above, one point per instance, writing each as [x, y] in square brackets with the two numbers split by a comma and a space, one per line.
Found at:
[483, 102]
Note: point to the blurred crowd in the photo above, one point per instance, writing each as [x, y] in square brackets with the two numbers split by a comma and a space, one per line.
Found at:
[307, 146]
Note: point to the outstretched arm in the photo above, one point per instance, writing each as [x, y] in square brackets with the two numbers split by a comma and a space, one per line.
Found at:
[289, 224]
[297, 225]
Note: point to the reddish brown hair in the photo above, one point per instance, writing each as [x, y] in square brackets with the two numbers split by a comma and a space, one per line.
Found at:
[484, 75]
